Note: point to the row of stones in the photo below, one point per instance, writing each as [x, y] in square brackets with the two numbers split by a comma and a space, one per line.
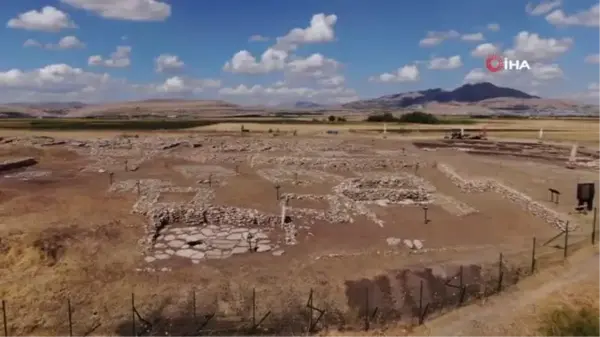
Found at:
[537, 209]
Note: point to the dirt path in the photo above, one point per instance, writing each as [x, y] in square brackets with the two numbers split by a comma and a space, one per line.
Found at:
[510, 312]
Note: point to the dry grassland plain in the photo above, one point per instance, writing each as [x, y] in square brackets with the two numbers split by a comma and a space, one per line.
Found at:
[174, 216]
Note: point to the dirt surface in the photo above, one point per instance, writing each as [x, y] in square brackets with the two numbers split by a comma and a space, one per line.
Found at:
[158, 214]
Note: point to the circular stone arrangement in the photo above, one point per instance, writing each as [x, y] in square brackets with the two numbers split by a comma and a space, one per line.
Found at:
[209, 242]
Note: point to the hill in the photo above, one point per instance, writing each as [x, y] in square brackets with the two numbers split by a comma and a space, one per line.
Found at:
[468, 93]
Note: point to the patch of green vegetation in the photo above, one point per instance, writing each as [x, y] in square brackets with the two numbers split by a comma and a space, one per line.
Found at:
[417, 117]
[571, 322]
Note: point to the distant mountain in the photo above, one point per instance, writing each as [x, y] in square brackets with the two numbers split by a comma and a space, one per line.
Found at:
[468, 93]
[307, 105]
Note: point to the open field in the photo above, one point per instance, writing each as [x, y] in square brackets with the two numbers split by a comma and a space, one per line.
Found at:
[103, 214]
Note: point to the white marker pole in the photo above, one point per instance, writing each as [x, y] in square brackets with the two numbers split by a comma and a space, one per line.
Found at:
[462, 132]
[282, 215]
[573, 155]
[384, 128]
[541, 134]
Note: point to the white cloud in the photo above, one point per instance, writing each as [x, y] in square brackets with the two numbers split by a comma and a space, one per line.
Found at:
[134, 10]
[258, 38]
[485, 50]
[48, 19]
[54, 78]
[587, 18]
[408, 73]
[494, 27]
[542, 8]
[243, 62]
[532, 47]
[593, 58]
[67, 42]
[478, 75]
[183, 85]
[320, 30]
[118, 59]
[435, 38]
[440, 63]
[546, 72]
[333, 81]
[168, 63]
[473, 37]
[594, 86]
[279, 93]
[315, 65]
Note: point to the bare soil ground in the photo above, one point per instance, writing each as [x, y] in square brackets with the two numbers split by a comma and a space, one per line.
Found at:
[79, 232]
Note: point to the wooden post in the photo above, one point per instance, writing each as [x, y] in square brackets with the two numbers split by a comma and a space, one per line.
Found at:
[533, 257]
[110, 178]
[253, 307]
[133, 332]
[566, 240]
[594, 226]
[310, 311]
[421, 302]
[70, 318]
[277, 187]
[4, 318]
[367, 325]
[138, 187]
[126, 168]
[425, 208]
[500, 274]
[194, 303]
[210, 180]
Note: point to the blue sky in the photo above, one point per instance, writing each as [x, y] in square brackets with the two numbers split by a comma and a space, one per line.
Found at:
[352, 49]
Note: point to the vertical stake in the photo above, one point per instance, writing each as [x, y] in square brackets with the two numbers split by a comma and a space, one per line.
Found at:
[126, 168]
[533, 257]
[70, 318]
[500, 273]
[277, 187]
[194, 303]
[367, 309]
[425, 208]
[565, 253]
[253, 308]
[137, 184]
[133, 332]
[4, 318]
[110, 177]
[594, 226]
[310, 311]
[420, 302]
[210, 180]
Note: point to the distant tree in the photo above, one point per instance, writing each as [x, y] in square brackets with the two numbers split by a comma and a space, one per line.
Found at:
[341, 119]
[419, 117]
[331, 118]
[379, 118]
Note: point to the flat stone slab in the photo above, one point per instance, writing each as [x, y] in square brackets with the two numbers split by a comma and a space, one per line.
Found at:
[234, 236]
[223, 244]
[213, 254]
[193, 237]
[393, 241]
[263, 248]
[198, 256]
[162, 256]
[16, 163]
[175, 243]
[169, 237]
[408, 243]
[240, 250]
[149, 259]
[207, 231]
[186, 253]
[278, 252]
[418, 244]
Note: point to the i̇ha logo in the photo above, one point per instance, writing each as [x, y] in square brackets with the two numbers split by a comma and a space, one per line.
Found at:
[495, 63]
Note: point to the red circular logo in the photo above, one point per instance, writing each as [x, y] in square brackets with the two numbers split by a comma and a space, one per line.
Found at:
[494, 63]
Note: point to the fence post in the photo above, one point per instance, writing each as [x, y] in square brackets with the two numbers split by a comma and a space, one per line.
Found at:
[194, 303]
[4, 318]
[533, 257]
[500, 274]
[133, 332]
[566, 240]
[420, 301]
[594, 226]
[70, 318]
[310, 311]
[253, 307]
[367, 325]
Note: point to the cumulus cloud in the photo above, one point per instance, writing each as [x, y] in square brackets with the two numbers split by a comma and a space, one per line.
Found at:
[67, 42]
[408, 73]
[542, 8]
[593, 58]
[485, 50]
[184, 85]
[434, 38]
[532, 47]
[258, 38]
[133, 10]
[473, 37]
[243, 62]
[494, 27]
[320, 30]
[333, 81]
[546, 72]
[165, 63]
[315, 65]
[586, 18]
[440, 63]
[54, 78]
[118, 59]
[282, 93]
[48, 19]
[478, 75]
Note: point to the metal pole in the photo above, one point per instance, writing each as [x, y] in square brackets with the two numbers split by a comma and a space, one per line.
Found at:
[70, 318]
[533, 257]
[4, 318]
[566, 240]
[133, 332]
[594, 226]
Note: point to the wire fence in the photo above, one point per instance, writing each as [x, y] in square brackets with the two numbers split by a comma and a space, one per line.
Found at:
[372, 304]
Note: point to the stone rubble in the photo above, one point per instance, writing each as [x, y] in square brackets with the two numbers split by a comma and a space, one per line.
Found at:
[479, 185]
